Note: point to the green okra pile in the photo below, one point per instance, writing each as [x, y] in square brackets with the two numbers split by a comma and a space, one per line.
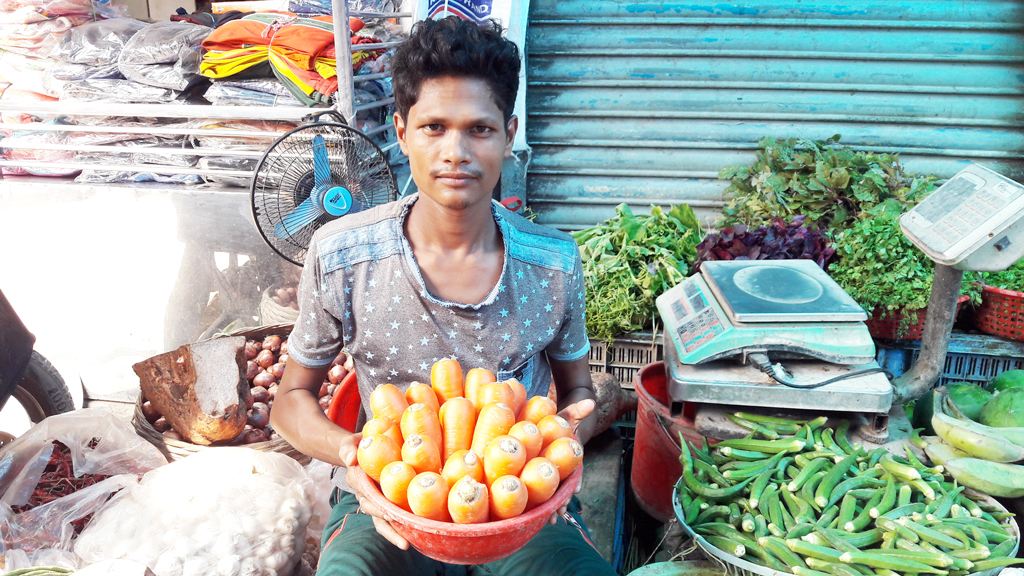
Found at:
[812, 504]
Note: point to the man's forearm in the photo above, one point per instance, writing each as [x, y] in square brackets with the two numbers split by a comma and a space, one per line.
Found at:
[298, 418]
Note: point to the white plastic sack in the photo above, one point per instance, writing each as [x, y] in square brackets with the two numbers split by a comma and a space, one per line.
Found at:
[225, 511]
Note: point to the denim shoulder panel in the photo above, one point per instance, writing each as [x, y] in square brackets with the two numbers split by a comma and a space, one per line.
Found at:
[370, 235]
[538, 245]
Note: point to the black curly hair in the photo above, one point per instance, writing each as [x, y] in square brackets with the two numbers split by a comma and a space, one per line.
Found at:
[455, 47]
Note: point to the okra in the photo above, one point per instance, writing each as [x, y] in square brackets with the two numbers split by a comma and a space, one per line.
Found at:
[940, 560]
[847, 511]
[780, 468]
[746, 455]
[828, 515]
[757, 488]
[711, 513]
[817, 540]
[760, 526]
[801, 571]
[930, 535]
[835, 541]
[864, 517]
[972, 554]
[904, 495]
[813, 551]
[747, 522]
[866, 480]
[905, 510]
[900, 530]
[923, 487]
[800, 530]
[864, 493]
[1002, 549]
[726, 545]
[890, 561]
[887, 500]
[947, 503]
[806, 474]
[875, 456]
[769, 419]
[700, 454]
[904, 472]
[765, 499]
[990, 563]
[954, 532]
[970, 505]
[711, 472]
[775, 509]
[828, 483]
[886, 572]
[829, 444]
[807, 492]
[776, 531]
[778, 547]
[753, 427]
[862, 539]
[713, 493]
[841, 570]
[787, 519]
[842, 439]
[768, 446]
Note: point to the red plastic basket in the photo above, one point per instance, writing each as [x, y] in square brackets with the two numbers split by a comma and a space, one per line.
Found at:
[887, 326]
[1001, 313]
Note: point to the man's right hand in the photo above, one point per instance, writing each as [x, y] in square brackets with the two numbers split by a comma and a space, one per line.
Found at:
[347, 452]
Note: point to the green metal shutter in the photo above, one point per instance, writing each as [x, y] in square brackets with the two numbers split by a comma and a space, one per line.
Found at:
[644, 102]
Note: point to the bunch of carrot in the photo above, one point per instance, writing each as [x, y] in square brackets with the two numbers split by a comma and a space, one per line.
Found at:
[467, 448]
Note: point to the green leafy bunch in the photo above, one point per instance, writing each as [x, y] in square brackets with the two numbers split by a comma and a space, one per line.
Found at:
[880, 268]
[630, 260]
[832, 185]
[1010, 279]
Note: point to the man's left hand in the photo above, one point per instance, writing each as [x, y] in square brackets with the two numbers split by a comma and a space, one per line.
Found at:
[573, 414]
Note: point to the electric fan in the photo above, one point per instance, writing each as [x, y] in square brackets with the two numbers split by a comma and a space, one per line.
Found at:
[312, 175]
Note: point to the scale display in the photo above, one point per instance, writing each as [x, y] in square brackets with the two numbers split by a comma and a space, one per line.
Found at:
[786, 306]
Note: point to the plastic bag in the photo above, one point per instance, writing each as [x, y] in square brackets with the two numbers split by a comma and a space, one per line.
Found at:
[97, 43]
[94, 8]
[118, 450]
[220, 94]
[112, 176]
[123, 91]
[24, 72]
[166, 54]
[38, 39]
[265, 85]
[223, 510]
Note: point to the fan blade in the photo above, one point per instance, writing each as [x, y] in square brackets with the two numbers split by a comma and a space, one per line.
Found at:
[321, 165]
[303, 215]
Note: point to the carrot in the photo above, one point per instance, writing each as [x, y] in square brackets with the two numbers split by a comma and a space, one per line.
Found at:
[375, 452]
[541, 479]
[551, 427]
[394, 482]
[475, 379]
[418, 392]
[493, 420]
[468, 502]
[504, 455]
[421, 453]
[428, 496]
[537, 408]
[385, 426]
[497, 392]
[421, 419]
[388, 400]
[518, 394]
[508, 498]
[528, 433]
[566, 454]
[458, 419]
[446, 379]
[463, 463]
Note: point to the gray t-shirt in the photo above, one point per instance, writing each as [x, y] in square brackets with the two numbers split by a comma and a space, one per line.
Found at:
[361, 288]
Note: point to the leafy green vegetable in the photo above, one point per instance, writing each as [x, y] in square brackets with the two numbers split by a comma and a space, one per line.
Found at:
[1010, 279]
[629, 260]
[834, 186]
[880, 268]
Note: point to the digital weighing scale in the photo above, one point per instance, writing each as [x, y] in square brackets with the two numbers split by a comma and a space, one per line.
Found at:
[729, 322]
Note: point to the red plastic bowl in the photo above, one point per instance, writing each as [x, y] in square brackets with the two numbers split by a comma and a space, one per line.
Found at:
[467, 543]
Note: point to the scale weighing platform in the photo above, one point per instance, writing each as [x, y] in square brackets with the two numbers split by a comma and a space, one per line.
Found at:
[726, 323]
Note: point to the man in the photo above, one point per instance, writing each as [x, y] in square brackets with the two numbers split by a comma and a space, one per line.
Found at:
[443, 273]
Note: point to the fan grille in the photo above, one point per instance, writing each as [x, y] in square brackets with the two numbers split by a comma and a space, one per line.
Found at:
[285, 179]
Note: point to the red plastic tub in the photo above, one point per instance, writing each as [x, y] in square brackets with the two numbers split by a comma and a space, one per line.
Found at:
[656, 449]
[467, 543]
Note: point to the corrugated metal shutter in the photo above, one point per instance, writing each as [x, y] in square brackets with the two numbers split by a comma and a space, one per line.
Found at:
[644, 102]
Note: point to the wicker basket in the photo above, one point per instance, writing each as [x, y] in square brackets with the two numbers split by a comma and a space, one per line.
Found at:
[177, 449]
[273, 313]
[1001, 313]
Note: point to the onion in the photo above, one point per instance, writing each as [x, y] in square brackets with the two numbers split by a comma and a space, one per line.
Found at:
[277, 370]
[283, 358]
[325, 403]
[265, 359]
[261, 406]
[251, 370]
[253, 436]
[283, 294]
[173, 435]
[349, 363]
[336, 373]
[278, 301]
[339, 359]
[272, 390]
[161, 424]
[331, 389]
[258, 417]
[294, 305]
[293, 290]
[259, 394]
[272, 343]
[323, 390]
[264, 379]
[275, 436]
[150, 412]
[284, 348]
[252, 348]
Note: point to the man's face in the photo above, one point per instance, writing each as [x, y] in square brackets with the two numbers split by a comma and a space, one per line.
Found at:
[456, 138]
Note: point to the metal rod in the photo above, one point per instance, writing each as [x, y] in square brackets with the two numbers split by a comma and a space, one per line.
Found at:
[376, 104]
[374, 46]
[343, 66]
[938, 324]
[133, 149]
[362, 14]
[368, 77]
[288, 113]
[141, 130]
[781, 23]
[154, 168]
